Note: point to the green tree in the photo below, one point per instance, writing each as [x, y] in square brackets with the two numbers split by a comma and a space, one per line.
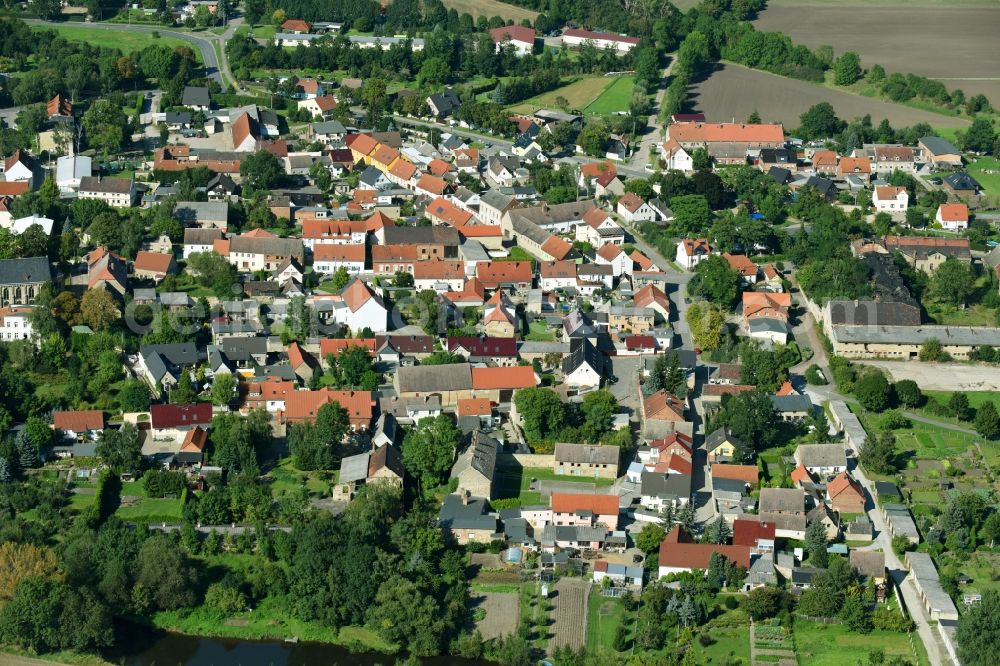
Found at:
[847, 69]
[816, 544]
[691, 213]
[184, 393]
[980, 137]
[766, 602]
[353, 364]
[104, 123]
[594, 137]
[649, 539]
[341, 278]
[820, 121]
[598, 408]
[718, 531]
[854, 614]
[98, 309]
[164, 571]
[542, 412]
[120, 449]
[260, 171]
[931, 350]
[958, 406]
[877, 454]
[953, 282]
[716, 281]
[223, 389]
[707, 323]
[429, 450]
[987, 421]
[908, 393]
[751, 418]
[873, 391]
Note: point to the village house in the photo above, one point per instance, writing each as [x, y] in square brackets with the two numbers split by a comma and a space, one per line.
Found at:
[953, 216]
[890, 199]
[116, 192]
[785, 507]
[691, 252]
[466, 519]
[475, 467]
[679, 553]
[585, 460]
[520, 38]
[600, 40]
[822, 459]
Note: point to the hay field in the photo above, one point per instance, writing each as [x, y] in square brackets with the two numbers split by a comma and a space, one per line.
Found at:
[953, 42]
[733, 91]
[578, 94]
[491, 8]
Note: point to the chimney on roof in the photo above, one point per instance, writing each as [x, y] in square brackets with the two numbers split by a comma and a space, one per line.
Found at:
[464, 494]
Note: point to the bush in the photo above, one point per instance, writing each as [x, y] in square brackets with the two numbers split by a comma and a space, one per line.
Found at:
[814, 376]
[225, 598]
[894, 420]
[888, 619]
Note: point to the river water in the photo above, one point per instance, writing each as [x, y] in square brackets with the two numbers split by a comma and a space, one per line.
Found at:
[179, 650]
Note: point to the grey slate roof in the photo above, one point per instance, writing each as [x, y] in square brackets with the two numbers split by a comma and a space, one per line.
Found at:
[354, 468]
[917, 335]
[655, 484]
[471, 516]
[782, 500]
[582, 351]
[717, 438]
[587, 453]
[480, 454]
[791, 403]
[432, 378]
[821, 455]
[25, 271]
[196, 96]
[200, 212]
[939, 146]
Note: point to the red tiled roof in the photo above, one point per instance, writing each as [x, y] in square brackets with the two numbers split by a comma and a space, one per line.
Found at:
[600, 505]
[642, 261]
[640, 342]
[595, 169]
[741, 264]
[748, 532]
[800, 474]
[515, 33]
[447, 212]
[153, 262]
[484, 346]
[609, 252]
[678, 550]
[178, 416]
[651, 294]
[296, 25]
[194, 441]
[356, 295]
[474, 407]
[726, 132]
[785, 389]
[854, 165]
[954, 212]
[79, 420]
[438, 167]
[13, 189]
[362, 143]
[438, 269]
[631, 201]
[493, 273]
[518, 377]
[432, 184]
[556, 247]
[336, 345]
[692, 245]
[339, 252]
[844, 483]
[304, 405]
[746, 473]
[664, 407]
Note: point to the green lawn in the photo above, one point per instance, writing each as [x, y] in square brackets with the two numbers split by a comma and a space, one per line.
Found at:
[976, 400]
[615, 97]
[578, 95]
[730, 643]
[989, 181]
[269, 620]
[603, 617]
[286, 478]
[833, 645]
[537, 330]
[515, 483]
[149, 510]
[127, 42]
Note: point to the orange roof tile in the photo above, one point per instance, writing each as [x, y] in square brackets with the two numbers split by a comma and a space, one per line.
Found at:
[954, 212]
[746, 473]
[600, 505]
[339, 252]
[726, 132]
[517, 377]
[474, 407]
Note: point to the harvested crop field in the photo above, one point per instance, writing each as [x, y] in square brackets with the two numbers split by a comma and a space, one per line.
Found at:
[569, 613]
[957, 45]
[502, 612]
[578, 95]
[491, 8]
[733, 91]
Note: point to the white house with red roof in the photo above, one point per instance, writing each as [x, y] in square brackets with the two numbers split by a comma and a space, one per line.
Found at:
[328, 258]
[676, 157]
[692, 251]
[953, 216]
[518, 36]
[633, 209]
[15, 323]
[357, 307]
[614, 256]
[890, 199]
